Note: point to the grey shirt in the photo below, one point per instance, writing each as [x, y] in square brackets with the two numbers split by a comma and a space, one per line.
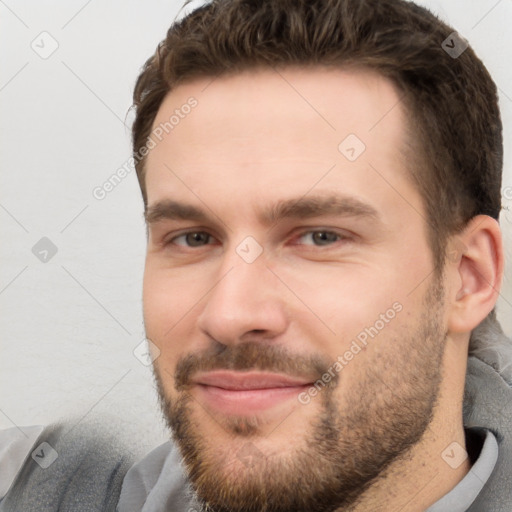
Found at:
[464, 493]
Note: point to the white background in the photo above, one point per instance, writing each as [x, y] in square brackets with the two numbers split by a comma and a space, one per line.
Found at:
[69, 326]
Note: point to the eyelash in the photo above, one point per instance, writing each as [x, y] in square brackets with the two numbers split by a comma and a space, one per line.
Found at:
[300, 235]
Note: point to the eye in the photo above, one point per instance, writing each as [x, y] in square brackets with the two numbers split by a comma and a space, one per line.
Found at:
[321, 237]
[191, 239]
[318, 238]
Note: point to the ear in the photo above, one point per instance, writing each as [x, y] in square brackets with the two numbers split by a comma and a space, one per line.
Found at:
[474, 268]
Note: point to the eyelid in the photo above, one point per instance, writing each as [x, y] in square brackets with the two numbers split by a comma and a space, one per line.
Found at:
[167, 240]
[342, 234]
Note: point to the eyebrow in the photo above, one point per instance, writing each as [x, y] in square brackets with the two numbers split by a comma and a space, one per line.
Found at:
[295, 208]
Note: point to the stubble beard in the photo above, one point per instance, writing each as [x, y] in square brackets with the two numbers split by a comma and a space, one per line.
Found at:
[342, 452]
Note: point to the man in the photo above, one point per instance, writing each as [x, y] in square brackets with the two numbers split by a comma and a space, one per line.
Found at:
[321, 183]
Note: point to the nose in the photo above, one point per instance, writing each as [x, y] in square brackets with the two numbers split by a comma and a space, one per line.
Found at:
[247, 302]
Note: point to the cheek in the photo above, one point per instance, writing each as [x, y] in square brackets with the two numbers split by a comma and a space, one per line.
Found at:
[361, 312]
[168, 294]
[372, 356]
[162, 308]
[171, 301]
[344, 298]
[164, 304]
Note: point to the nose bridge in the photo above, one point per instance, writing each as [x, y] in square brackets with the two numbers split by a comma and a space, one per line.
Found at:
[243, 267]
[244, 282]
[245, 296]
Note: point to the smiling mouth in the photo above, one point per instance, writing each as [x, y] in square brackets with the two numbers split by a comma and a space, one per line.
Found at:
[247, 392]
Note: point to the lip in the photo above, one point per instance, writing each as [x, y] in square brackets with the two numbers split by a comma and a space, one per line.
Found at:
[236, 381]
[243, 393]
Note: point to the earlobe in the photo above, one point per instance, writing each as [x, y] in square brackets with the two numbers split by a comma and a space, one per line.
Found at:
[478, 265]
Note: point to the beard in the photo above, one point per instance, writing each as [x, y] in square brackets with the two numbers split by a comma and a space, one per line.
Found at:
[343, 450]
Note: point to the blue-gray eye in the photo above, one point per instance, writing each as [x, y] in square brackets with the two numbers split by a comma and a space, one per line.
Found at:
[193, 238]
[322, 237]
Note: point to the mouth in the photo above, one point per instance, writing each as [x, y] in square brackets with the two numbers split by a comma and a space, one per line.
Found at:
[243, 393]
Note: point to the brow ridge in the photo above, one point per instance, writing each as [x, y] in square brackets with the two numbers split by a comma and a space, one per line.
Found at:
[301, 208]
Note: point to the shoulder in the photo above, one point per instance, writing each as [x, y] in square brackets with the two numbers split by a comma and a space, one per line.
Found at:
[16, 444]
[69, 466]
[157, 482]
[490, 345]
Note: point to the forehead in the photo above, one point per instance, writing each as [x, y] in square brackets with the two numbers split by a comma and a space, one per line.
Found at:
[269, 132]
[308, 99]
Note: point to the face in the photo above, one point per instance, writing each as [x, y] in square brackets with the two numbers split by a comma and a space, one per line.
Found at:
[289, 288]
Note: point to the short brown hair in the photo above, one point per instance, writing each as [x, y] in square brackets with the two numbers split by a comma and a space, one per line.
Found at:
[455, 143]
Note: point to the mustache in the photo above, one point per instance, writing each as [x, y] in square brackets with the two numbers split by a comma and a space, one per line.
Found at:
[249, 356]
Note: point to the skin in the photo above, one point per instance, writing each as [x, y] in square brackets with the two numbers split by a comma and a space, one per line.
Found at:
[257, 138]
